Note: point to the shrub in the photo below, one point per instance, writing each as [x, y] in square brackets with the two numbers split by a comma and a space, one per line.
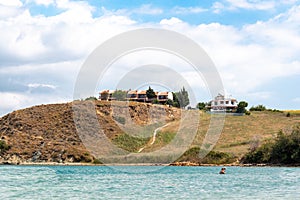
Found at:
[242, 107]
[285, 149]
[213, 157]
[288, 114]
[258, 108]
[97, 161]
[3, 146]
[90, 99]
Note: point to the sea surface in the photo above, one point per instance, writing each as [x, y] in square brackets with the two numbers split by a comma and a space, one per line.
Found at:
[148, 182]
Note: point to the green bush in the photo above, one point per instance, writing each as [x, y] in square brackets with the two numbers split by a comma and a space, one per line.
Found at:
[213, 157]
[91, 99]
[258, 108]
[285, 149]
[3, 146]
[97, 161]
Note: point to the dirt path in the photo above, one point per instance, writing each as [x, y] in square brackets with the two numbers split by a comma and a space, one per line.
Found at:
[152, 140]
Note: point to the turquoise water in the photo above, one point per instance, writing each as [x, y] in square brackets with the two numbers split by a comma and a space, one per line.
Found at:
[149, 182]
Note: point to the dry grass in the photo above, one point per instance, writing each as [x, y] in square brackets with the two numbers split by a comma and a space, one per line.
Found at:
[239, 132]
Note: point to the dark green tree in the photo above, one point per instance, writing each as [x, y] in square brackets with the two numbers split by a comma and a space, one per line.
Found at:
[150, 93]
[242, 107]
[120, 95]
[175, 100]
[182, 98]
[201, 106]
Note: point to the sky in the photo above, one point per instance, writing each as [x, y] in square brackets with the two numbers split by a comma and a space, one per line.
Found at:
[255, 46]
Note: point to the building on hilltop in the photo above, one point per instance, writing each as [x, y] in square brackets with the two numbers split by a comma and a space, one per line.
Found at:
[222, 103]
[137, 95]
[132, 95]
[164, 96]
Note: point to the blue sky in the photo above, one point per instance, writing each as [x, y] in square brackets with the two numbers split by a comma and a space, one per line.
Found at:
[255, 45]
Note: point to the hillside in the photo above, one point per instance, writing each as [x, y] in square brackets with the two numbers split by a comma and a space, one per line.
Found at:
[49, 133]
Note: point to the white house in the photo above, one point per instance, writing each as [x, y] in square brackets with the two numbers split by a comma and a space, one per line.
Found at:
[222, 103]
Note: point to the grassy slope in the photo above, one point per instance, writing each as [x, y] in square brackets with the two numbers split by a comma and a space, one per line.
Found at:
[240, 131]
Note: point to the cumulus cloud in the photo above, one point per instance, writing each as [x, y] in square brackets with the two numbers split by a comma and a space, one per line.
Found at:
[41, 56]
[13, 3]
[172, 21]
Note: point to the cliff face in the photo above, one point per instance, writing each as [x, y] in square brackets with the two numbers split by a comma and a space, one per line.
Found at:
[47, 133]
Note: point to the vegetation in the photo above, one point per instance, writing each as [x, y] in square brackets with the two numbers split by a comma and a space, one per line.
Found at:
[120, 95]
[130, 143]
[169, 102]
[258, 108]
[242, 107]
[284, 149]
[150, 93]
[201, 106]
[91, 98]
[181, 98]
[97, 161]
[3, 146]
[213, 157]
[104, 95]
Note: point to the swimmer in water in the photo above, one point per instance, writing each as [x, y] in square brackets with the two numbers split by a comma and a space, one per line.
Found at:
[222, 170]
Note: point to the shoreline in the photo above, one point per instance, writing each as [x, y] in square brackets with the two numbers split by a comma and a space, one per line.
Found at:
[176, 164]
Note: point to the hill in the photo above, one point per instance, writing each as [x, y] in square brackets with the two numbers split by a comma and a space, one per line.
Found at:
[50, 133]
[47, 133]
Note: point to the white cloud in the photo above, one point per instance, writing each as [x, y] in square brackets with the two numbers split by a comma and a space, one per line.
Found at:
[46, 52]
[44, 2]
[253, 55]
[171, 21]
[147, 9]
[243, 4]
[14, 3]
[188, 10]
[41, 85]
[264, 5]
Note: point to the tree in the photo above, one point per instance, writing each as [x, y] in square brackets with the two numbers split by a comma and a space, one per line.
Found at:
[201, 106]
[175, 100]
[242, 107]
[182, 97]
[104, 95]
[150, 93]
[120, 95]
[169, 102]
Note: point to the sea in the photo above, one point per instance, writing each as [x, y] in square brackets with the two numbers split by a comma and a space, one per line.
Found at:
[148, 182]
